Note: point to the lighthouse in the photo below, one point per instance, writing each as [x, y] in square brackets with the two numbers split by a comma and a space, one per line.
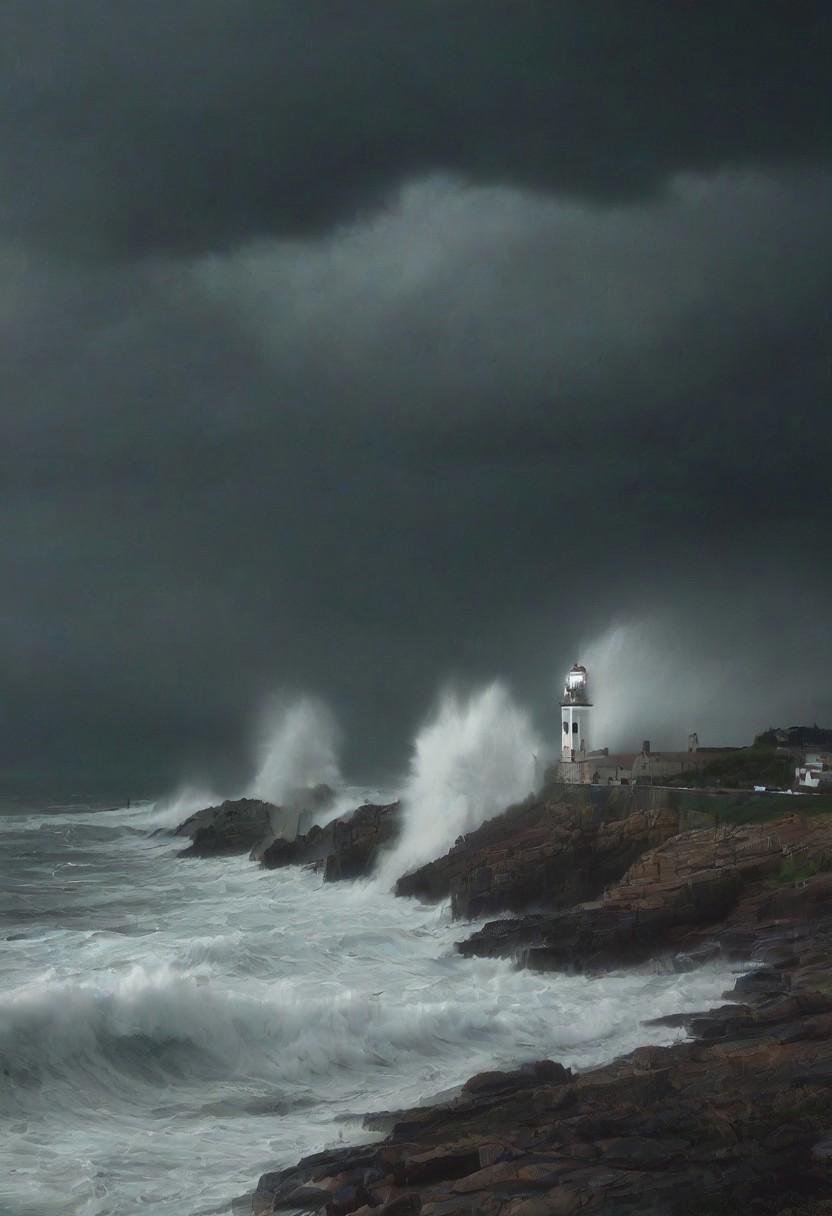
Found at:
[574, 713]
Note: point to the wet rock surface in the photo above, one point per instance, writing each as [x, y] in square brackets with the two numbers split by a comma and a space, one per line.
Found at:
[548, 852]
[736, 1119]
[308, 849]
[344, 849]
[240, 825]
[722, 879]
[233, 827]
[358, 840]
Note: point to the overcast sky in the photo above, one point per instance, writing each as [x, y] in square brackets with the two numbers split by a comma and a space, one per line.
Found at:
[354, 346]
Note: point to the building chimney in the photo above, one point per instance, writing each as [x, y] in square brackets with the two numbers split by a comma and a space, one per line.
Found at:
[645, 747]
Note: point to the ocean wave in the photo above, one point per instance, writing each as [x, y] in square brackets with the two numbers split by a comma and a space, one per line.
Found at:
[52, 1026]
[153, 1023]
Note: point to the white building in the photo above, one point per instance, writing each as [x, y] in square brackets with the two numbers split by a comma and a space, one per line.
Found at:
[575, 706]
[579, 764]
[815, 772]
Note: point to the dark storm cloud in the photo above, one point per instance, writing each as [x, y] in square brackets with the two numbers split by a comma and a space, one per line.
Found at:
[353, 467]
[459, 433]
[147, 125]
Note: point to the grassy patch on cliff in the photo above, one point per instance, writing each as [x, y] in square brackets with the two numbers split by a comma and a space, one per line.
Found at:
[754, 808]
[800, 869]
[741, 770]
[773, 806]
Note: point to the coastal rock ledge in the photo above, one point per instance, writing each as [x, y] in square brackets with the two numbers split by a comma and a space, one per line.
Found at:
[233, 827]
[550, 851]
[699, 894]
[738, 1120]
[346, 848]
[735, 1119]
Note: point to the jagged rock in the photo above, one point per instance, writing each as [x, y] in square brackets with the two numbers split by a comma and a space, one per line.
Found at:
[358, 839]
[673, 1131]
[549, 852]
[738, 1119]
[300, 807]
[495, 1080]
[234, 827]
[314, 846]
[669, 895]
[347, 848]
[241, 824]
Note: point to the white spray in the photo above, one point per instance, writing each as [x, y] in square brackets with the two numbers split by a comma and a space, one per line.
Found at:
[299, 749]
[470, 761]
[171, 811]
[652, 680]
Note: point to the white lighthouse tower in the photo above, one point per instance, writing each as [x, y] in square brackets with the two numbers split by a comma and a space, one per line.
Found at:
[574, 713]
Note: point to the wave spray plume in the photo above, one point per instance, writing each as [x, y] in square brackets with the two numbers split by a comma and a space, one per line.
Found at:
[299, 749]
[471, 760]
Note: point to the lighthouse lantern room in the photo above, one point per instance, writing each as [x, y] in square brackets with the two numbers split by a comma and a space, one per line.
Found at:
[575, 706]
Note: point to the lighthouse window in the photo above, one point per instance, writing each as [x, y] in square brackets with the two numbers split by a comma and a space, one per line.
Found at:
[574, 728]
[566, 728]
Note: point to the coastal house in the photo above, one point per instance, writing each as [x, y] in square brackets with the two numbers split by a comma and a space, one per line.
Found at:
[815, 773]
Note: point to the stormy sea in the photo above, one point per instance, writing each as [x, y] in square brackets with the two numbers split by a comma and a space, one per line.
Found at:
[170, 1029]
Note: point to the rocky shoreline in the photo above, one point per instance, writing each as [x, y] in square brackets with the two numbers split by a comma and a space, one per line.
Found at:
[735, 1118]
[701, 893]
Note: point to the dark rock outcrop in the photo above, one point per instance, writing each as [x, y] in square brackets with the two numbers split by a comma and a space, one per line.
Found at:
[233, 827]
[308, 849]
[549, 852]
[346, 848]
[301, 807]
[670, 900]
[358, 839]
[697, 1129]
[241, 824]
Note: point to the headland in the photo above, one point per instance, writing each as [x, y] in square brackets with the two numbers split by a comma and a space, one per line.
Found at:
[734, 1117]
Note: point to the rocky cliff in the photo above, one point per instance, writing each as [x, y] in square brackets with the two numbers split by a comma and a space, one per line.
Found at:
[233, 827]
[549, 852]
[738, 1118]
[346, 848]
[668, 900]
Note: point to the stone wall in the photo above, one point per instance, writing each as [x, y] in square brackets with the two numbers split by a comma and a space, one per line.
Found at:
[696, 808]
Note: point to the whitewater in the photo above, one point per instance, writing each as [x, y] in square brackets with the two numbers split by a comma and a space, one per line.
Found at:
[170, 1029]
